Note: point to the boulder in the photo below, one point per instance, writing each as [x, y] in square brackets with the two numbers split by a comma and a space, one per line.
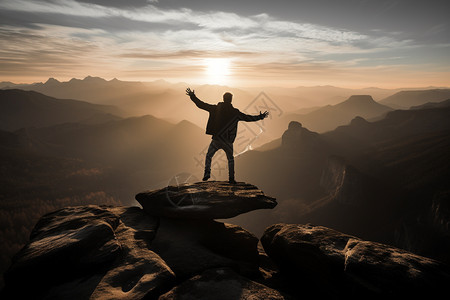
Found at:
[337, 264]
[89, 251]
[204, 200]
[139, 272]
[101, 252]
[221, 284]
[190, 247]
[64, 244]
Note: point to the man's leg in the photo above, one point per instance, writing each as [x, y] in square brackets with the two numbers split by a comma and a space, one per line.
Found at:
[228, 148]
[212, 149]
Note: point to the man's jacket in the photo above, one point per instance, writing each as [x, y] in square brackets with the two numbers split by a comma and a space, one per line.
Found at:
[223, 119]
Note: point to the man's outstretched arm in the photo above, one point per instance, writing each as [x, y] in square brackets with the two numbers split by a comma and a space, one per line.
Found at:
[200, 104]
[251, 118]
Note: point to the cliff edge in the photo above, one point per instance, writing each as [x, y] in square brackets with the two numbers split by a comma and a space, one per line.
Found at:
[174, 249]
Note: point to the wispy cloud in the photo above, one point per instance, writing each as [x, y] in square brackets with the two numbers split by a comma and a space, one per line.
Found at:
[112, 36]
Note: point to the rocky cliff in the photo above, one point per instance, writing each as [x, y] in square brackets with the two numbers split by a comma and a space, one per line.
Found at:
[332, 264]
[298, 138]
[174, 249]
[344, 183]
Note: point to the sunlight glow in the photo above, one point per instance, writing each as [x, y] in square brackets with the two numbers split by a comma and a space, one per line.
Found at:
[217, 70]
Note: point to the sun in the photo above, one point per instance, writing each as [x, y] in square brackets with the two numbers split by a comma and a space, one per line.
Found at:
[217, 70]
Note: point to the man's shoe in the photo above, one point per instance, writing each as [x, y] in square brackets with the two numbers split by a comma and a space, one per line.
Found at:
[232, 181]
[206, 177]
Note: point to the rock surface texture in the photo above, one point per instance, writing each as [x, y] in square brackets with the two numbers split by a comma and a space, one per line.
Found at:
[205, 200]
[102, 252]
[89, 251]
[221, 284]
[340, 265]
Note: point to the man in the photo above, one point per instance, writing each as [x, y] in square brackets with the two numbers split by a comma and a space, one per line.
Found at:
[222, 125]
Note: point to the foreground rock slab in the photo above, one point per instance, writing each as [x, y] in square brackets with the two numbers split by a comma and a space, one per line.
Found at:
[104, 252]
[336, 264]
[190, 247]
[205, 200]
[89, 252]
[221, 284]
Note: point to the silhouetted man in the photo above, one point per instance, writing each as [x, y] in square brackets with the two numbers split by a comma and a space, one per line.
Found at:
[222, 125]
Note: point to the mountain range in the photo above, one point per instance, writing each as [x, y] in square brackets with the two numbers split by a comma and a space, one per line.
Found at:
[46, 168]
[149, 150]
[386, 180]
[351, 163]
[160, 99]
[168, 100]
[329, 117]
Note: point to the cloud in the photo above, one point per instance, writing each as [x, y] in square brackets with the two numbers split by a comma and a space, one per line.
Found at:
[32, 52]
[135, 37]
[120, 3]
[189, 54]
[66, 7]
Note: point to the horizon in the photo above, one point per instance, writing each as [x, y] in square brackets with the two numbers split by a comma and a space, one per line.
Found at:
[68, 79]
[351, 44]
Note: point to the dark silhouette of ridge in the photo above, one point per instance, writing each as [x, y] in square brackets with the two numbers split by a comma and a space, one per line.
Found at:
[406, 99]
[329, 117]
[20, 108]
[429, 105]
[385, 180]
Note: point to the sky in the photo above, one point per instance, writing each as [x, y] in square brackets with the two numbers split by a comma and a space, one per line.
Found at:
[346, 43]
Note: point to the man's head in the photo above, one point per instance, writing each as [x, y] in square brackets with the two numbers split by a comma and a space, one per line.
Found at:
[227, 97]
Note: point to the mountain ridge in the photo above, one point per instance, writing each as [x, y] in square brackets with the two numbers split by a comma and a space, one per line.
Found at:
[389, 170]
[329, 117]
[19, 108]
[407, 99]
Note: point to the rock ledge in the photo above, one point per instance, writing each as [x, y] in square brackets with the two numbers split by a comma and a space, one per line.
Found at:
[204, 200]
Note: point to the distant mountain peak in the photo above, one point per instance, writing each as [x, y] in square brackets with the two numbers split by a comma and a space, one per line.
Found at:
[94, 79]
[296, 136]
[51, 80]
[364, 103]
[358, 121]
[294, 125]
[360, 98]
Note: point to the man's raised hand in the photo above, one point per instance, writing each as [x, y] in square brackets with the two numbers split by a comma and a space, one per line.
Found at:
[264, 114]
[190, 92]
